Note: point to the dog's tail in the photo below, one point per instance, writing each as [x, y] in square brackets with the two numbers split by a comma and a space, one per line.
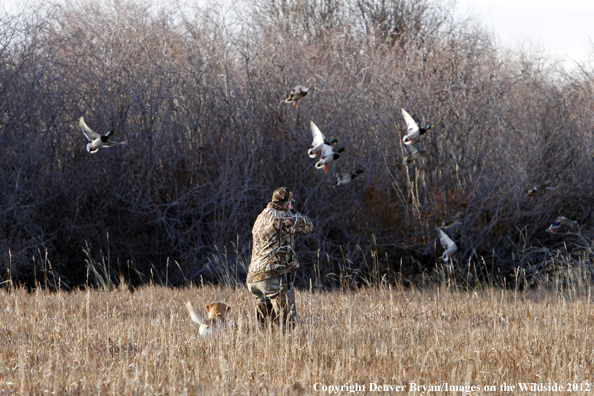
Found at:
[194, 315]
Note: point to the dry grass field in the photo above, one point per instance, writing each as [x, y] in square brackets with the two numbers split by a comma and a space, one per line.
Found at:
[143, 342]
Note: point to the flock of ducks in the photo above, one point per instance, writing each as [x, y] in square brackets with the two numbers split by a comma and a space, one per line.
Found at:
[561, 223]
[324, 151]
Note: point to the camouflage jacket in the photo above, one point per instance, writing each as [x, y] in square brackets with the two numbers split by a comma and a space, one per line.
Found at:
[273, 252]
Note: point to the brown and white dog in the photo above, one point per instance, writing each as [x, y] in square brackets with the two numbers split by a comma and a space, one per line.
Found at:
[216, 313]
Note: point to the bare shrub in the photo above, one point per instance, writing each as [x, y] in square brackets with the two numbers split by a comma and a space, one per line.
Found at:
[198, 95]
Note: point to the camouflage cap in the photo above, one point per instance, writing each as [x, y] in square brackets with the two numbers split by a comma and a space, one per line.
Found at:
[282, 194]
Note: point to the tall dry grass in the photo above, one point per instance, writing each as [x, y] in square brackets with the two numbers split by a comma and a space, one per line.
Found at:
[143, 342]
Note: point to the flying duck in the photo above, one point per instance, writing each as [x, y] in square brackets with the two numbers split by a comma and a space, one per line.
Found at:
[412, 153]
[540, 190]
[297, 93]
[451, 221]
[95, 140]
[319, 142]
[560, 222]
[344, 178]
[414, 132]
[328, 156]
[449, 245]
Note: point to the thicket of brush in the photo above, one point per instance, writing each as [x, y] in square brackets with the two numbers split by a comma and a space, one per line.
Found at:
[198, 95]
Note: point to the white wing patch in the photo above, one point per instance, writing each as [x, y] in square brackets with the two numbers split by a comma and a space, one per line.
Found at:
[88, 132]
[411, 125]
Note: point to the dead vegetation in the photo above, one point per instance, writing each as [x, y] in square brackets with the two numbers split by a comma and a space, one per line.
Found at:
[144, 343]
[197, 93]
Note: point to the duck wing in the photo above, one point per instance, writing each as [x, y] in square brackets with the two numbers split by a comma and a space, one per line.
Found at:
[447, 242]
[300, 89]
[412, 153]
[88, 132]
[342, 177]
[411, 149]
[318, 136]
[451, 220]
[297, 93]
[411, 125]
[110, 143]
[327, 150]
[338, 179]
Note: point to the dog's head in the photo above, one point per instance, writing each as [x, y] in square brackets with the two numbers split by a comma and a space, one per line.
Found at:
[218, 311]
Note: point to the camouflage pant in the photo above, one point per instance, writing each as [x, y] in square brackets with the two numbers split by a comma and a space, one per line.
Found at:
[275, 300]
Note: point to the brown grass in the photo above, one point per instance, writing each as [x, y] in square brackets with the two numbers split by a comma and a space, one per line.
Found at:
[143, 342]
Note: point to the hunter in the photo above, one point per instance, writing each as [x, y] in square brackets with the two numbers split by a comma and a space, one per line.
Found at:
[274, 258]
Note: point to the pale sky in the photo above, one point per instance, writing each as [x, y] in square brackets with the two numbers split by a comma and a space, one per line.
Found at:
[563, 29]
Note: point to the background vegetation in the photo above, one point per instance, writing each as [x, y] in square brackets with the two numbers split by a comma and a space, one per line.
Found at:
[198, 95]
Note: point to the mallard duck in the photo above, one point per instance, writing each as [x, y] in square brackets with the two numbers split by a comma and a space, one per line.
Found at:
[344, 178]
[328, 156]
[561, 222]
[449, 245]
[319, 142]
[414, 132]
[96, 140]
[451, 221]
[540, 190]
[297, 93]
[412, 153]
